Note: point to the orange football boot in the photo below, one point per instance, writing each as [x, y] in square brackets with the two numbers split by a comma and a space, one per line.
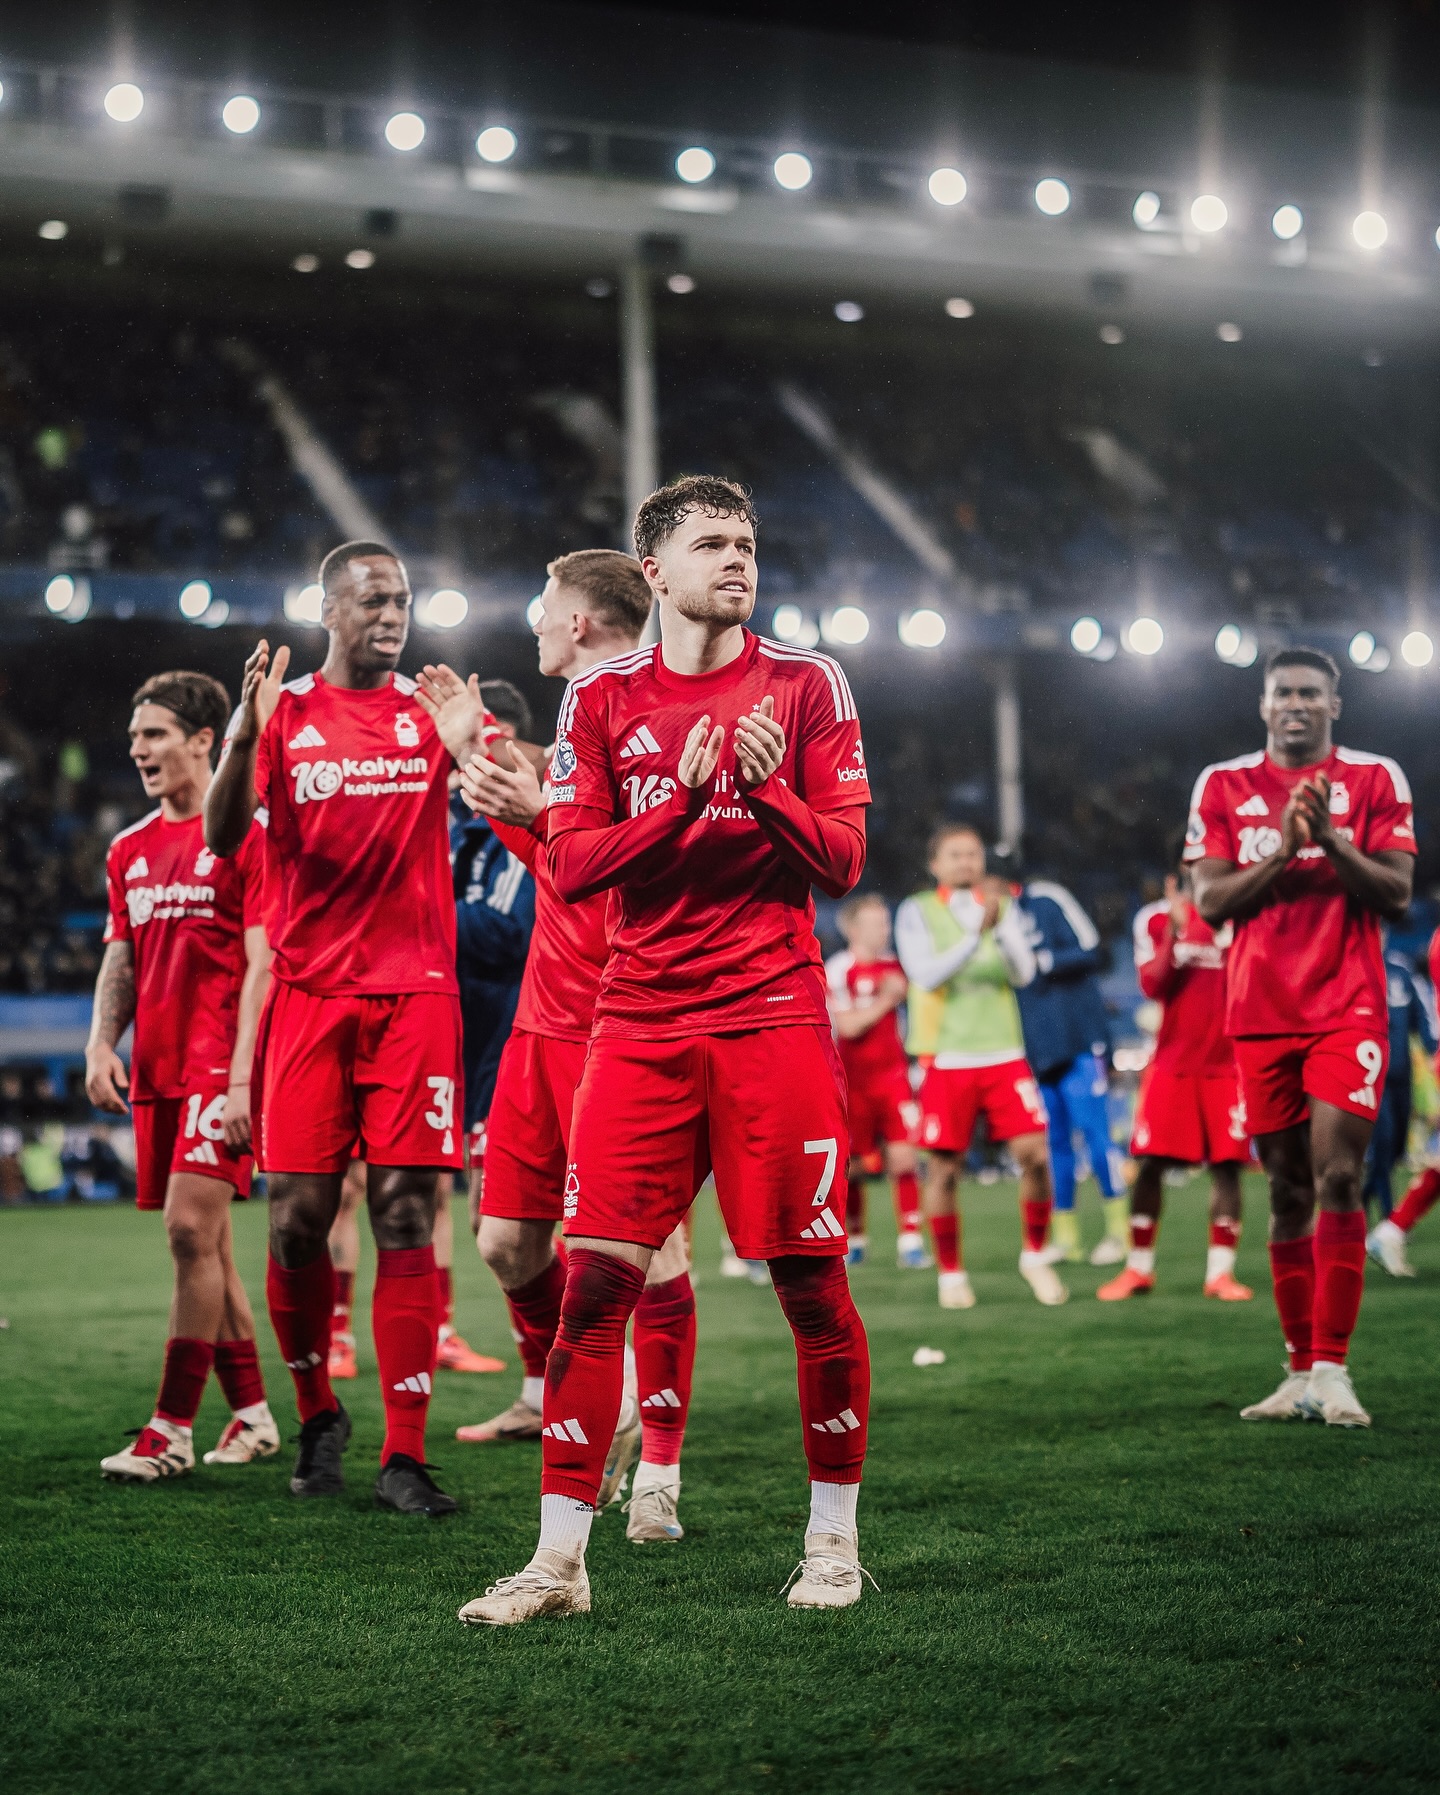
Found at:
[1129, 1283]
[456, 1354]
[342, 1356]
[1229, 1289]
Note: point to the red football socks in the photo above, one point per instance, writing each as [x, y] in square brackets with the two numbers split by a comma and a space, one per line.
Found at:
[344, 1302]
[301, 1302]
[832, 1362]
[404, 1316]
[664, 1366]
[237, 1365]
[855, 1206]
[906, 1188]
[1035, 1222]
[1339, 1282]
[585, 1374]
[445, 1288]
[1143, 1229]
[1418, 1200]
[1292, 1266]
[1224, 1232]
[187, 1365]
[945, 1233]
[535, 1315]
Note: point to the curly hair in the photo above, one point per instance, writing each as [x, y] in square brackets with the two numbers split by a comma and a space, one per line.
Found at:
[662, 514]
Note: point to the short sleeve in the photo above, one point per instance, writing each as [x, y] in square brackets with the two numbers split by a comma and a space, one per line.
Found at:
[830, 756]
[252, 879]
[580, 769]
[117, 921]
[1208, 835]
[1390, 824]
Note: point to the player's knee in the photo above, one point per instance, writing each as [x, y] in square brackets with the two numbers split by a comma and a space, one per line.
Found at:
[814, 1295]
[192, 1239]
[1031, 1152]
[1337, 1185]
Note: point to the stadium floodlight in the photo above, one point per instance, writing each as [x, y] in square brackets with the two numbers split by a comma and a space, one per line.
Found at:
[535, 610]
[1362, 648]
[195, 599]
[1208, 212]
[1052, 196]
[1417, 650]
[360, 258]
[306, 263]
[496, 143]
[240, 114]
[947, 186]
[303, 604]
[1370, 230]
[1112, 334]
[1227, 641]
[1146, 209]
[787, 622]
[681, 283]
[1085, 634]
[445, 609]
[922, 629]
[124, 102]
[959, 308]
[848, 311]
[214, 614]
[695, 165]
[845, 626]
[59, 593]
[53, 230]
[2, 91]
[1288, 222]
[793, 171]
[405, 131]
[1235, 646]
[1229, 333]
[1144, 636]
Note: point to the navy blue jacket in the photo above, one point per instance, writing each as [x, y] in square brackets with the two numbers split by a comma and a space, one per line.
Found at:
[1409, 1014]
[494, 914]
[1061, 1009]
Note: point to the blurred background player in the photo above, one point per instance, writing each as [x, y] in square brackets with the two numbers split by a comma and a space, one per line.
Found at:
[1190, 1110]
[187, 962]
[1386, 1241]
[1305, 847]
[594, 606]
[1067, 1042]
[1409, 1017]
[964, 947]
[360, 1042]
[867, 987]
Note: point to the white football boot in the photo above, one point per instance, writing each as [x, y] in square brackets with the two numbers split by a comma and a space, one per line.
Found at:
[830, 1574]
[1385, 1243]
[160, 1450]
[910, 1253]
[1331, 1398]
[653, 1514]
[1285, 1402]
[1110, 1251]
[549, 1584]
[1043, 1280]
[956, 1291]
[244, 1441]
[624, 1450]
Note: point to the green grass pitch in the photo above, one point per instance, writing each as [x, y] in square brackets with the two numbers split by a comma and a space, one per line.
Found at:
[1092, 1575]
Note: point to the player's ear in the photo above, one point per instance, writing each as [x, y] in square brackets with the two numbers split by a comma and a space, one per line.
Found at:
[204, 739]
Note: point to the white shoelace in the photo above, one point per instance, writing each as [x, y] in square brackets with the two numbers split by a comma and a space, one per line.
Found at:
[827, 1568]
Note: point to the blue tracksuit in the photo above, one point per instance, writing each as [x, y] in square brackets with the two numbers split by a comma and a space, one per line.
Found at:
[494, 914]
[1409, 1014]
[1067, 1035]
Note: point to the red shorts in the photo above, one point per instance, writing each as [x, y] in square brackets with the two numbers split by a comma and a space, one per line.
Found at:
[952, 1097]
[881, 1111]
[1281, 1074]
[529, 1135]
[1196, 1121]
[373, 1077]
[763, 1110]
[183, 1134]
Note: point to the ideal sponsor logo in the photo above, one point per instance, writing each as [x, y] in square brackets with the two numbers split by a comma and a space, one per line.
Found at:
[858, 770]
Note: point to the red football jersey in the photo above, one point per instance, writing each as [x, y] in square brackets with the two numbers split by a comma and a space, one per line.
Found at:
[877, 1055]
[352, 788]
[713, 929]
[1186, 975]
[569, 946]
[185, 913]
[1309, 960]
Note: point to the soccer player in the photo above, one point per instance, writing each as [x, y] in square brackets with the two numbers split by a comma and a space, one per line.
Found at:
[707, 782]
[187, 962]
[1387, 1240]
[360, 1039]
[1304, 847]
[1067, 1042]
[1190, 1110]
[867, 988]
[594, 607]
[964, 946]
[1408, 1014]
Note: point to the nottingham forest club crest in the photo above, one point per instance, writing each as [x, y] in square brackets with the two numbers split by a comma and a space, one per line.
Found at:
[407, 735]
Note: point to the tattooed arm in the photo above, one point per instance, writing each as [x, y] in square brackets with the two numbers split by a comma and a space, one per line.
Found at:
[105, 1076]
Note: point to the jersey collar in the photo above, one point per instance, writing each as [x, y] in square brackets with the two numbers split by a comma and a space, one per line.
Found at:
[720, 680]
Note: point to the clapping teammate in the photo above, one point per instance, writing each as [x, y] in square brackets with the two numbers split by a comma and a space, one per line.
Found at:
[708, 783]
[1304, 847]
